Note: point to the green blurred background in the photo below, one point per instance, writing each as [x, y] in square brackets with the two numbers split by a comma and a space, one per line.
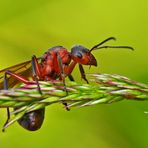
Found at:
[30, 27]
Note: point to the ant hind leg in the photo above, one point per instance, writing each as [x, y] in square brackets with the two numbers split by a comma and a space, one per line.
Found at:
[18, 77]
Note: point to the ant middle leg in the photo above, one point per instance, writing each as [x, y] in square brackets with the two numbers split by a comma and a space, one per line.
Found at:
[62, 77]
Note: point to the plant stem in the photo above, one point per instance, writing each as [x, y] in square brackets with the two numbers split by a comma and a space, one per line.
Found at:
[105, 88]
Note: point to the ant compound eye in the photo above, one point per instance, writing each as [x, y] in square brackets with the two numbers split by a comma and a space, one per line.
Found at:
[79, 55]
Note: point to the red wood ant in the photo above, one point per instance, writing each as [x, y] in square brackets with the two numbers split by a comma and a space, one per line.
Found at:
[56, 63]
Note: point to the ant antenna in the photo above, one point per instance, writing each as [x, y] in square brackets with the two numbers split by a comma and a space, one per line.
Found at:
[127, 47]
[110, 38]
[106, 40]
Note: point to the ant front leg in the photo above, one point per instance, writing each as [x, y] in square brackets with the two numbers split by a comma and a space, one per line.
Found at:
[71, 77]
[83, 76]
[23, 80]
[68, 70]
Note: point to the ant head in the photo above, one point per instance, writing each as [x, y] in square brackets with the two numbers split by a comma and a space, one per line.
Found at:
[82, 56]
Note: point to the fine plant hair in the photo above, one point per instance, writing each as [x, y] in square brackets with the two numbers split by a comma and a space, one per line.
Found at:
[103, 89]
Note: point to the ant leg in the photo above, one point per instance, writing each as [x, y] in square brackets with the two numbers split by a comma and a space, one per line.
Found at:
[8, 118]
[62, 71]
[83, 76]
[8, 111]
[6, 88]
[36, 72]
[71, 77]
[63, 79]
